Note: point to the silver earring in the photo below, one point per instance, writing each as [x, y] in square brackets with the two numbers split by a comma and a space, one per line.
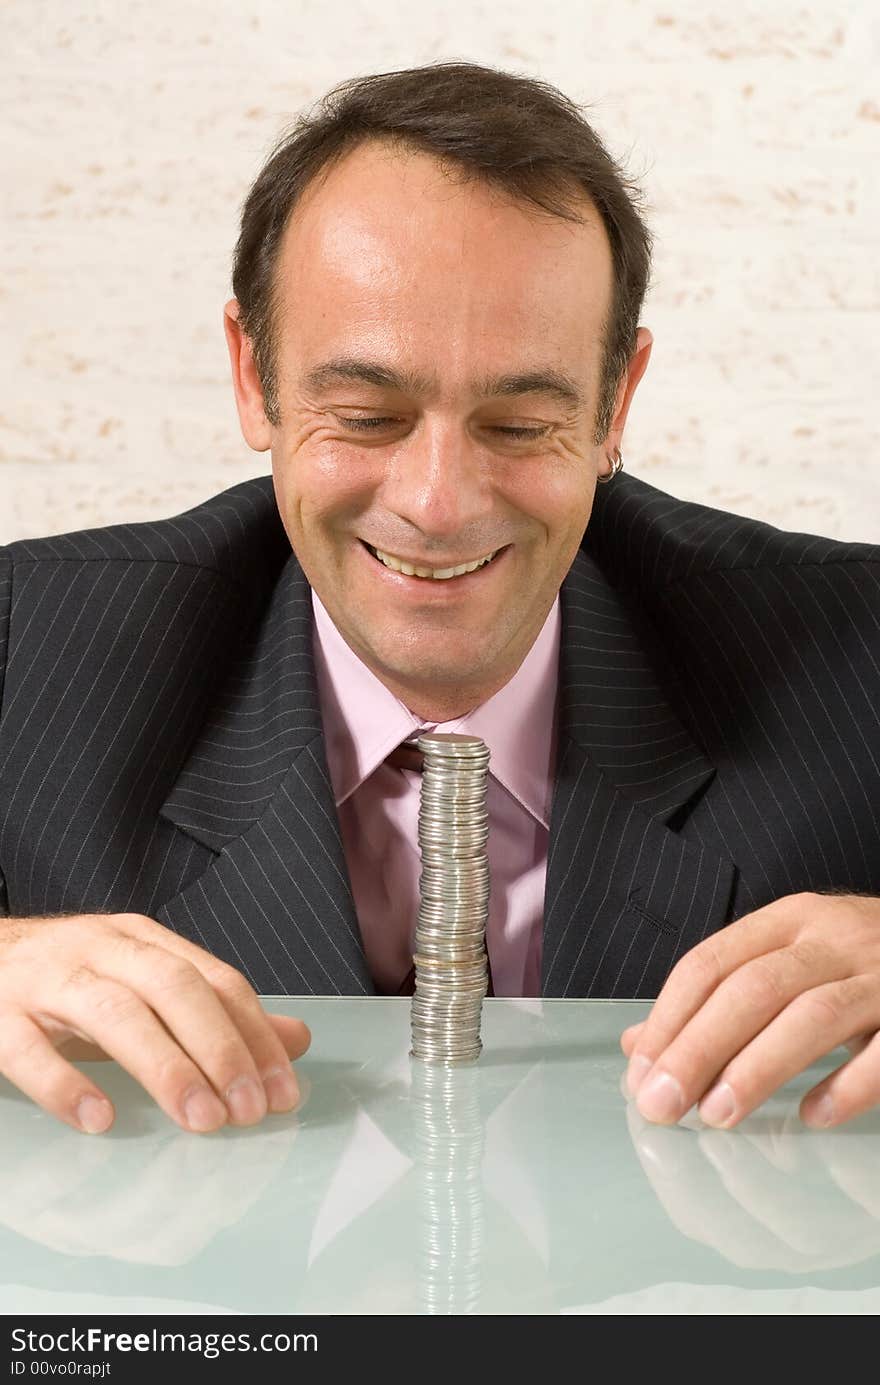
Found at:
[616, 466]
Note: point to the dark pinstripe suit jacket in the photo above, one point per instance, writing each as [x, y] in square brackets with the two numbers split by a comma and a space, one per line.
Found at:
[161, 747]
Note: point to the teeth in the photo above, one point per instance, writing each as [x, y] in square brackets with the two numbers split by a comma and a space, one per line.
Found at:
[439, 574]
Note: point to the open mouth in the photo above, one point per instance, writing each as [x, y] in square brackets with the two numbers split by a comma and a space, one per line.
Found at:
[427, 574]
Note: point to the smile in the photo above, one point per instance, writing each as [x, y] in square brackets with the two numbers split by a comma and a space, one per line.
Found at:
[440, 574]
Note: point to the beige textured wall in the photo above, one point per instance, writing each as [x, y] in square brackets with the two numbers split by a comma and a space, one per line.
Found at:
[132, 130]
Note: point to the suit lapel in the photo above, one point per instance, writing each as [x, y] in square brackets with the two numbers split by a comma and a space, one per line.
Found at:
[276, 902]
[626, 895]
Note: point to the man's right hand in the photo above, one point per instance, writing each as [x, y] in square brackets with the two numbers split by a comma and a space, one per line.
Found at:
[186, 1026]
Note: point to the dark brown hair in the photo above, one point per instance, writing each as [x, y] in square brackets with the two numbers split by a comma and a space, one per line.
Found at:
[516, 133]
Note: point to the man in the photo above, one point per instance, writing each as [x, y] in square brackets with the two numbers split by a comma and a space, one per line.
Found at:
[438, 283]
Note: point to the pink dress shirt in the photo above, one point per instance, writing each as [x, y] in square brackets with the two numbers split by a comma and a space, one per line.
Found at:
[378, 805]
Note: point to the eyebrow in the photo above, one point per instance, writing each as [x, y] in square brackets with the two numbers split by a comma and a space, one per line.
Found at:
[547, 381]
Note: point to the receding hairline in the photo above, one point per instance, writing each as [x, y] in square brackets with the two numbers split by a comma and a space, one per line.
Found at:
[575, 203]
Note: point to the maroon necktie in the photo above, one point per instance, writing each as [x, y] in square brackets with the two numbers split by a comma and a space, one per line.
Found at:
[408, 756]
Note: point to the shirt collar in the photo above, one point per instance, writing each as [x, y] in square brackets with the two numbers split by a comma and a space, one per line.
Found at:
[364, 721]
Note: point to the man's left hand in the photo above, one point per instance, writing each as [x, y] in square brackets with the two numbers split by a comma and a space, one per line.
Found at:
[755, 1004]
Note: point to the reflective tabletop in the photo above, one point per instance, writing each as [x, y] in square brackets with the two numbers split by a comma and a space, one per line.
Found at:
[524, 1183]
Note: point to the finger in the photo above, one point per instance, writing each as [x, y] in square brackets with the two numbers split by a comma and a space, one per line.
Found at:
[132, 1032]
[29, 1061]
[698, 974]
[295, 1035]
[730, 1018]
[272, 1041]
[630, 1037]
[807, 1029]
[850, 1091]
[266, 1041]
[217, 1019]
[223, 1031]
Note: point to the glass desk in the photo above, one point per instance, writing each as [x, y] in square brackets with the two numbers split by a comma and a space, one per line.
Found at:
[524, 1183]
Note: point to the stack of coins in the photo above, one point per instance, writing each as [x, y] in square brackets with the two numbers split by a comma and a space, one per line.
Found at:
[451, 972]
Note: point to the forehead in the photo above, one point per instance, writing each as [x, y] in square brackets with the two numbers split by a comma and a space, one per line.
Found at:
[390, 239]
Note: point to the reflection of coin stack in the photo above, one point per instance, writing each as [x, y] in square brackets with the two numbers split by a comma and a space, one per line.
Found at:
[448, 1146]
[450, 946]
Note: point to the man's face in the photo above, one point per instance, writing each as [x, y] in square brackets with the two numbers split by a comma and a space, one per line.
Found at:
[410, 301]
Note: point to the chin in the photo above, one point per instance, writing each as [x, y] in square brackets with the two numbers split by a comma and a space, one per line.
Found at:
[435, 673]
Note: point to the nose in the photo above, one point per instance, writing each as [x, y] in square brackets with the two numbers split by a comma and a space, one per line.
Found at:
[439, 482]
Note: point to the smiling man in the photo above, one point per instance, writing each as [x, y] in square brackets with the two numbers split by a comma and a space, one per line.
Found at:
[204, 792]
[435, 488]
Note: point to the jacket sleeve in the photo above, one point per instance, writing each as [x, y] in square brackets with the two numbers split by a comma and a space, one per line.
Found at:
[5, 604]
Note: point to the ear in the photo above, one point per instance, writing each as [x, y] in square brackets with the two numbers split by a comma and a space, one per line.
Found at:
[638, 364]
[246, 382]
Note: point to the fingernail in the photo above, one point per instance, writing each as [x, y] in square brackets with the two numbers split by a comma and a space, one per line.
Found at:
[821, 1114]
[639, 1067]
[95, 1115]
[203, 1110]
[719, 1105]
[246, 1101]
[282, 1089]
[661, 1098]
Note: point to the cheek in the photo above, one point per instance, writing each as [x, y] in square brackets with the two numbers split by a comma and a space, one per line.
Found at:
[558, 494]
[322, 479]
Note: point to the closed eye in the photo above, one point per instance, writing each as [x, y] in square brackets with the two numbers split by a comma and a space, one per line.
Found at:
[367, 425]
